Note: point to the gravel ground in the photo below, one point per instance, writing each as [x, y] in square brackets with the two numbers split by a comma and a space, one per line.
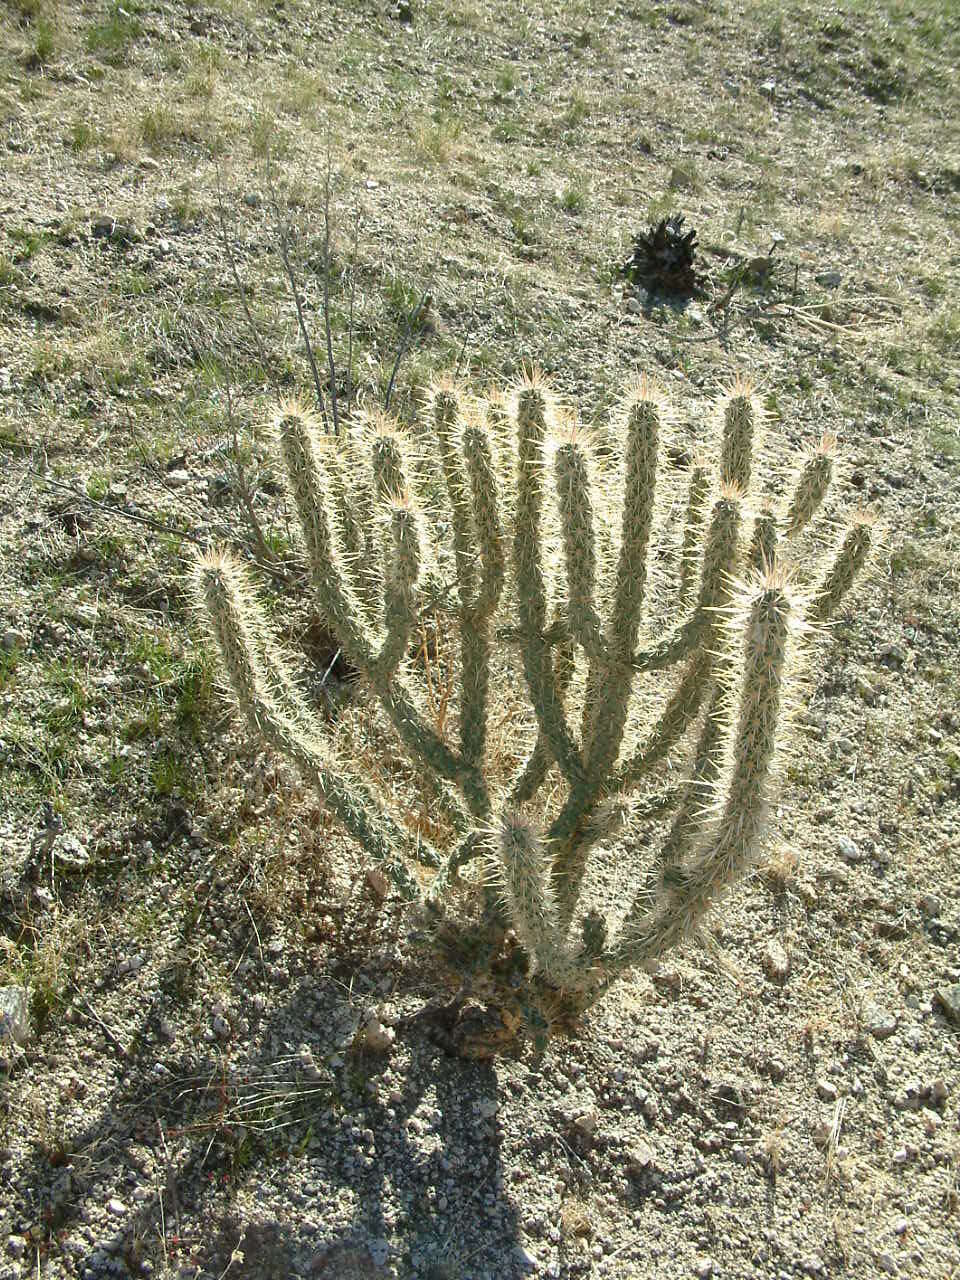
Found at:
[224, 1050]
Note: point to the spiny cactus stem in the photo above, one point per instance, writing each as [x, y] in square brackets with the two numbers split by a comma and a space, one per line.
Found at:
[463, 544]
[739, 425]
[677, 645]
[763, 544]
[729, 847]
[640, 478]
[677, 716]
[400, 594]
[812, 487]
[573, 492]
[535, 769]
[531, 595]
[527, 889]
[842, 574]
[309, 483]
[246, 661]
[720, 551]
[471, 846]
[697, 492]
[478, 456]
[689, 821]
[388, 474]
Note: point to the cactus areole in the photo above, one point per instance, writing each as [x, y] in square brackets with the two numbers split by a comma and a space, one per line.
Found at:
[619, 640]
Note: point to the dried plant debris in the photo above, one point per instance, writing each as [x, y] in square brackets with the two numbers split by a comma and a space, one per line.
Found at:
[662, 260]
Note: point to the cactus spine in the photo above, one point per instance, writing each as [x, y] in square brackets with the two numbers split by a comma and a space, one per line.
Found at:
[550, 555]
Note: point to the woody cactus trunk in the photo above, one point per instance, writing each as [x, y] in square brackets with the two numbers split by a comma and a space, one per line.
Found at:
[583, 569]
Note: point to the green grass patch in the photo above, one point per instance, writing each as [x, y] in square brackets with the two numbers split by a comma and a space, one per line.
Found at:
[110, 40]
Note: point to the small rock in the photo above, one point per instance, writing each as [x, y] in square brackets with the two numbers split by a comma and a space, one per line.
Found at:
[164, 246]
[220, 1027]
[116, 1207]
[377, 883]
[641, 1159]
[894, 652]
[634, 306]
[929, 904]
[308, 1066]
[880, 1023]
[253, 199]
[13, 639]
[703, 1268]
[776, 962]
[375, 1037]
[836, 874]
[827, 1091]
[16, 1246]
[948, 999]
[900, 1227]
[14, 1015]
[886, 1262]
[829, 278]
[177, 478]
[931, 1122]
[938, 1092]
[584, 1127]
[865, 691]
[148, 163]
[106, 228]
[848, 850]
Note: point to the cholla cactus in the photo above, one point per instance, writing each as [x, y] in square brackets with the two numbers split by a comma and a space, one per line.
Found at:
[587, 621]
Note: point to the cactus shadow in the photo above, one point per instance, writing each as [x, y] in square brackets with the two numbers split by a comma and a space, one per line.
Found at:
[297, 1192]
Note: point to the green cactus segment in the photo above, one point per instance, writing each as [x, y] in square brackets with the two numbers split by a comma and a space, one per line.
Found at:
[721, 551]
[727, 848]
[576, 513]
[531, 908]
[739, 428]
[640, 478]
[719, 563]
[400, 581]
[698, 792]
[610, 678]
[355, 505]
[239, 628]
[386, 451]
[302, 452]
[535, 770]
[479, 457]
[305, 455]
[847, 563]
[472, 845]
[697, 492]
[481, 600]
[677, 716]
[812, 486]
[763, 543]
[446, 419]
[531, 590]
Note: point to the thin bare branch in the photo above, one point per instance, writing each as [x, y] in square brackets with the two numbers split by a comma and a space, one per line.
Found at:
[283, 238]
